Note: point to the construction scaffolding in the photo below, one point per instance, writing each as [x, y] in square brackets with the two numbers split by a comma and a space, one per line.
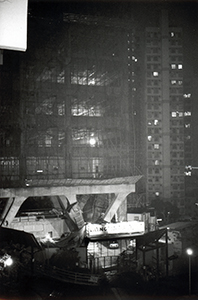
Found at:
[75, 104]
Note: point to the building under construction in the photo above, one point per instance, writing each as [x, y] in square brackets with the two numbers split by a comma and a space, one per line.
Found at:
[69, 114]
[69, 110]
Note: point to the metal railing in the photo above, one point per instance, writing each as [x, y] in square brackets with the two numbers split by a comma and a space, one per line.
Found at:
[67, 275]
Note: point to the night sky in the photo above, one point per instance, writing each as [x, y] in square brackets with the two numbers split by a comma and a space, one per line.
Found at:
[144, 13]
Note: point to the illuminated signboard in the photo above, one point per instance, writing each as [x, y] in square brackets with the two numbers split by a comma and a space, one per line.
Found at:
[133, 227]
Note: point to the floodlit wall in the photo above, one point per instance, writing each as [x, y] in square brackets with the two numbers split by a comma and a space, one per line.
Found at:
[39, 227]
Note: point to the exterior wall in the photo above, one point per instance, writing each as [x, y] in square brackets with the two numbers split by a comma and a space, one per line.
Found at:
[39, 227]
[165, 93]
[149, 221]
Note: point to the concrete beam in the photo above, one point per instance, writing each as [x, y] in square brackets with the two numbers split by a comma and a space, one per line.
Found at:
[66, 190]
[114, 205]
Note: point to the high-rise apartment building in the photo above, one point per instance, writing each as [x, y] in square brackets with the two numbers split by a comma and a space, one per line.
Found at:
[165, 115]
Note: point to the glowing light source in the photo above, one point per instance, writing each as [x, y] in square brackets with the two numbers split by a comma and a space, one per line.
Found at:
[132, 227]
[47, 238]
[92, 141]
[5, 261]
[189, 251]
[8, 262]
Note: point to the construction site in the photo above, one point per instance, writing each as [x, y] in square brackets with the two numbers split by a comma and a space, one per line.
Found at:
[73, 156]
[68, 110]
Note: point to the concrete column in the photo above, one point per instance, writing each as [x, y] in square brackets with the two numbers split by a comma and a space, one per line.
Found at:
[72, 198]
[11, 209]
[64, 201]
[74, 210]
[6, 208]
[114, 205]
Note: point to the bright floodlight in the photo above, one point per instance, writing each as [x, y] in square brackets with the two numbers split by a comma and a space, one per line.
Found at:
[8, 262]
[92, 141]
[189, 251]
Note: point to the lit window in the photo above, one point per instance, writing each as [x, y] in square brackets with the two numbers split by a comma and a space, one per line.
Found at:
[48, 141]
[156, 162]
[85, 137]
[155, 74]
[180, 66]
[156, 146]
[85, 108]
[180, 82]
[187, 125]
[157, 194]
[149, 138]
[173, 82]
[156, 122]
[174, 114]
[187, 113]
[180, 114]
[61, 109]
[173, 66]
[188, 173]
[172, 34]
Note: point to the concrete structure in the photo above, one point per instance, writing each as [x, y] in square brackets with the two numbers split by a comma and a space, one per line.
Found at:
[67, 190]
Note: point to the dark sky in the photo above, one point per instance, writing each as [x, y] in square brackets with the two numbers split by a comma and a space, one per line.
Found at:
[184, 13]
[110, 7]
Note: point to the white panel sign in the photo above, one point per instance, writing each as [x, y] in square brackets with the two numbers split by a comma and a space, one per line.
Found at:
[13, 24]
[130, 228]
